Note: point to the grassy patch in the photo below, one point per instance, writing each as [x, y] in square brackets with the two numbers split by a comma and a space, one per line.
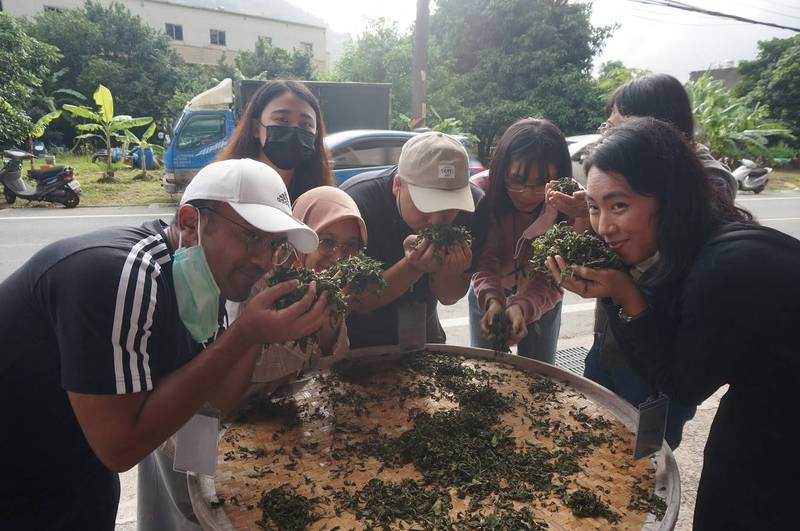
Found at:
[127, 191]
[784, 179]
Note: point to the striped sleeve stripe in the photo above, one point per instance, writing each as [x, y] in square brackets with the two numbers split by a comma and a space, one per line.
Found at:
[137, 280]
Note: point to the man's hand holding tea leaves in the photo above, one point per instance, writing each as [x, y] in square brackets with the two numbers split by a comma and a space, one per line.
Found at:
[452, 246]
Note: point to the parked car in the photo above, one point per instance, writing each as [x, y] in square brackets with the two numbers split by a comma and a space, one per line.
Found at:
[362, 150]
[578, 148]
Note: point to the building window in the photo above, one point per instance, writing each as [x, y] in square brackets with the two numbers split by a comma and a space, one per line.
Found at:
[175, 31]
[308, 46]
[52, 9]
[218, 37]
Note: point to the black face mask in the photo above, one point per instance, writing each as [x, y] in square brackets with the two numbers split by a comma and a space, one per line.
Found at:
[288, 147]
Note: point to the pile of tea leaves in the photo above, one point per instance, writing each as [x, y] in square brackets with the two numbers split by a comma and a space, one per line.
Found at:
[432, 441]
[443, 236]
[565, 185]
[359, 274]
[585, 503]
[285, 510]
[468, 449]
[577, 249]
[500, 332]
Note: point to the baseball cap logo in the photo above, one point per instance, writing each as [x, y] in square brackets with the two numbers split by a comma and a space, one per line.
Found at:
[447, 171]
[283, 199]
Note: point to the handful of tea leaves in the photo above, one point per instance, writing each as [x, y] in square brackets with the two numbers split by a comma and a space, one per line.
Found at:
[443, 236]
[565, 185]
[325, 283]
[577, 249]
[359, 273]
[500, 332]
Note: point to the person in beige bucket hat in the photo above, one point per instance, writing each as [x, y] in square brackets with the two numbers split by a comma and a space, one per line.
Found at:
[429, 186]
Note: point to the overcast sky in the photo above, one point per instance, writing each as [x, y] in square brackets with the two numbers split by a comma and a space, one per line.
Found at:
[654, 38]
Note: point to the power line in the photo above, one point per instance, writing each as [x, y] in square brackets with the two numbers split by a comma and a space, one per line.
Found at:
[687, 7]
[769, 10]
[675, 18]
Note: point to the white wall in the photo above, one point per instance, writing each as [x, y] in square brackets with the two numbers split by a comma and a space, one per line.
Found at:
[241, 31]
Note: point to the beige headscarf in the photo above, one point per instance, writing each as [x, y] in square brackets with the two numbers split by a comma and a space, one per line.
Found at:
[324, 205]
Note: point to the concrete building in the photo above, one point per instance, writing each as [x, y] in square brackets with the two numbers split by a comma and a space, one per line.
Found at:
[202, 31]
[725, 72]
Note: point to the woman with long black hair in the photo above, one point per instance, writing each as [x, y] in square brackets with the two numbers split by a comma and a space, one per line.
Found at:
[710, 299]
[282, 127]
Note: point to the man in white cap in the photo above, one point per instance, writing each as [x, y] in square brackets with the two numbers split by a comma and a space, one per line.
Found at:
[429, 186]
[110, 341]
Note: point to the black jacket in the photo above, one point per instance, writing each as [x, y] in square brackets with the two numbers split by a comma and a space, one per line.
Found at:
[734, 320]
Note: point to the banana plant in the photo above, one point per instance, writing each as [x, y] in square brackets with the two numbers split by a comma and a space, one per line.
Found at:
[40, 127]
[143, 143]
[105, 125]
[731, 127]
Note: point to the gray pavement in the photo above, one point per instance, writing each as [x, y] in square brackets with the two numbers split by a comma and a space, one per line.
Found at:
[25, 230]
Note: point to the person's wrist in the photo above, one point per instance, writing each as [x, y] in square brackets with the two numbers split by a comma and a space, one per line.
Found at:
[632, 304]
[494, 303]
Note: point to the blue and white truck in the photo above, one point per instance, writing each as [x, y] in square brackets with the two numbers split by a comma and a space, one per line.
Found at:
[207, 121]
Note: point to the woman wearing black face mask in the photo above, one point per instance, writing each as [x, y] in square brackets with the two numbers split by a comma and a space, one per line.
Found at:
[282, 126]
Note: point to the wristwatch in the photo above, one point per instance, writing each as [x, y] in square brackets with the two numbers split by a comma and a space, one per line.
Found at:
[625, 318]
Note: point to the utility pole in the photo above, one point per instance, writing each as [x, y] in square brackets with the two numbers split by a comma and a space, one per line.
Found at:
[420, 68]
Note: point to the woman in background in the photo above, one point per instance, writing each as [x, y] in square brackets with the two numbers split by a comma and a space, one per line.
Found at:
[282, 126]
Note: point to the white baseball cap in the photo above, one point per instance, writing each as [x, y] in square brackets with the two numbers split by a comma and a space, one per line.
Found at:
[257, 193]
[435, 166]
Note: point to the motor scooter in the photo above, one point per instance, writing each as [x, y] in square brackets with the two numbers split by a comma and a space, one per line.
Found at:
[56, 184]
[750, 177]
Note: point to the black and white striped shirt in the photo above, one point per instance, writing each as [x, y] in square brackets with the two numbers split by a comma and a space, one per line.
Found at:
[93, 314]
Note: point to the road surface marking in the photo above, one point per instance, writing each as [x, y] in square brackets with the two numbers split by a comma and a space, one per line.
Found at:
[90, 216]
[569, 308]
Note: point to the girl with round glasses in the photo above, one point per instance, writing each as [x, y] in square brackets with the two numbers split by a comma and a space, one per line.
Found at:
[531, 153]
[337, 221]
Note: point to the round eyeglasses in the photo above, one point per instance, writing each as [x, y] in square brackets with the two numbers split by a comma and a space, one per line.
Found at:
[280, 250]
[328, 246]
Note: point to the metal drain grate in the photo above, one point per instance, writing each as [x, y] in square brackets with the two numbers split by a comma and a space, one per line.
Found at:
[572, 359]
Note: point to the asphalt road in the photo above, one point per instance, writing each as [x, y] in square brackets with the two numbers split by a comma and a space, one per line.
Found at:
[23, 231]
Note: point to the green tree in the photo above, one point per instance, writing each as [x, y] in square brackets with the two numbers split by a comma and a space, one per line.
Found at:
[107, 44]
[106, 126]
[773, 79]
[731, 127]
[382, 55]
[266, 61]
[24, 63]
[495, 62]
[614, 74]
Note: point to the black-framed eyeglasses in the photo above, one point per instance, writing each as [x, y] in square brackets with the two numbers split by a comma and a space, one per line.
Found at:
[257, 242]
[328, 246]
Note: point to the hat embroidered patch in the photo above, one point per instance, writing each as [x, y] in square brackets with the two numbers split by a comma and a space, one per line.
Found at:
[447, 171]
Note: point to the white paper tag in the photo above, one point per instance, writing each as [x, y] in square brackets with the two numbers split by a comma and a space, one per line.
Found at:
[412, 325]
[651, 426]
[196, 445]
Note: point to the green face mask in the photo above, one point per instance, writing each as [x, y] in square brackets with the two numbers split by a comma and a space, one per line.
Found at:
[196, 291]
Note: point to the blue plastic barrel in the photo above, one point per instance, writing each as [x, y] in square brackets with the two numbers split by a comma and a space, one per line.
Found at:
[38, 148]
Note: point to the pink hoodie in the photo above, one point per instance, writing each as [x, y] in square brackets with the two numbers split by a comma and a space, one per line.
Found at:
[495, 270]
